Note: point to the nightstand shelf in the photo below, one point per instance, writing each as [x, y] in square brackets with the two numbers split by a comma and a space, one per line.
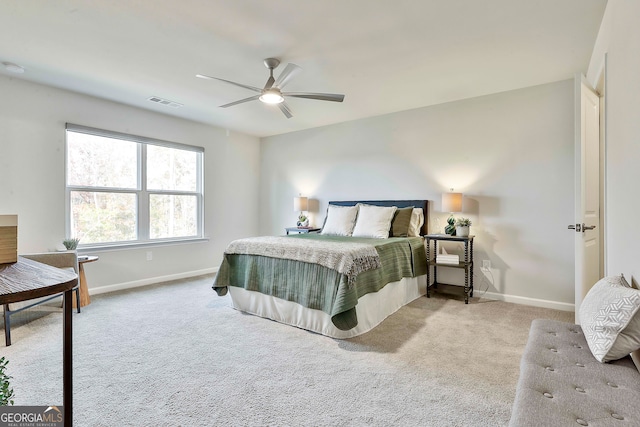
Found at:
[466, 263]
[301, 230]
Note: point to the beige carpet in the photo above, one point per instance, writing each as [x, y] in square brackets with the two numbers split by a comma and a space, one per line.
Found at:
[178, 355]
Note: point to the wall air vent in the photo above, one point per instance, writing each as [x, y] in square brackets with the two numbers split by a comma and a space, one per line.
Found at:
[166, 102]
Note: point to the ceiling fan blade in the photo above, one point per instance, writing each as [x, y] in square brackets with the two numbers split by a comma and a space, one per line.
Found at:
[270, 83]
[253, 88]
[287, 74]
[285, 109]
[335, 97]
[231, 104]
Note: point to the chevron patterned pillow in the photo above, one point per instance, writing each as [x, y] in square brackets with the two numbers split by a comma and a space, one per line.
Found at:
[609, 319]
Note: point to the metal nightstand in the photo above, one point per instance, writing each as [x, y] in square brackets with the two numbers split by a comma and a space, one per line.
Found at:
[466, 262]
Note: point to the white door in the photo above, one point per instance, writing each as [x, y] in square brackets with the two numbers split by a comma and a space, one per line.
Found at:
[587, 191]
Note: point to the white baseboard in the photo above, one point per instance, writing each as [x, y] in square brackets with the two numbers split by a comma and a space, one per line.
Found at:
[150, 281]
[527, 301]
[490, 295]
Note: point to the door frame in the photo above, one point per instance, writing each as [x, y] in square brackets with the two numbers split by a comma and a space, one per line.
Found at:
[601, 90]
[599, 86]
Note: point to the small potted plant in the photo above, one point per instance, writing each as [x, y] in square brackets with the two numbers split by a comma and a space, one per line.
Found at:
[71, 244]
[462, 227]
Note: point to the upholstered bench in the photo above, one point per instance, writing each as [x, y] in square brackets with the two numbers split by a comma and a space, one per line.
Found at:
[562, 384]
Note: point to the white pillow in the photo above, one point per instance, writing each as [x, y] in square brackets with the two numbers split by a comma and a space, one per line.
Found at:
[374, 221]
[340, 220]
[609, 319]
[417, 219]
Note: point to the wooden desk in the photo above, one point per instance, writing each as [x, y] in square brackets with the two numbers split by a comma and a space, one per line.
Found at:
[85, 299]
[27, 279]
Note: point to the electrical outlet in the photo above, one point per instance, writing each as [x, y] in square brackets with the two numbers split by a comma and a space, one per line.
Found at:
[486, 265]
[149, 255]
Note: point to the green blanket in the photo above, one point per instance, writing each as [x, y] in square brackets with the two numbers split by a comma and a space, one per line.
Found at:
[318, 287]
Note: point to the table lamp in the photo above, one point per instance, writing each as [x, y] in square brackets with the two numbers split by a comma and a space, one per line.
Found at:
[451, 202]
[301, 204]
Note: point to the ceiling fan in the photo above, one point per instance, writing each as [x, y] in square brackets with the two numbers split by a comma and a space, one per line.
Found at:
[272, 91]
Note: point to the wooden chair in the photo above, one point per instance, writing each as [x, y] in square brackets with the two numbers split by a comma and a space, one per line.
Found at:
[63, 260]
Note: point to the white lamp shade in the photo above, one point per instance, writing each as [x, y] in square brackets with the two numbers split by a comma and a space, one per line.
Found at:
[300, 204]
[451, 202]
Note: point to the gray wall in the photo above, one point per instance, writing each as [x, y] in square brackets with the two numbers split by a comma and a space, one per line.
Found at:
[619, 39]
[511, 154]
[32, 173]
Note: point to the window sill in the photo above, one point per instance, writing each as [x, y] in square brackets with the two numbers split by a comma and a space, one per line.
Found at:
[85, 249]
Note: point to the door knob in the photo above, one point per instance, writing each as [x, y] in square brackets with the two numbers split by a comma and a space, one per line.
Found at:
[581, 227]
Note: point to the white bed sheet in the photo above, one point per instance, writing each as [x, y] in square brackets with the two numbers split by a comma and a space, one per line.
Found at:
[371, 310]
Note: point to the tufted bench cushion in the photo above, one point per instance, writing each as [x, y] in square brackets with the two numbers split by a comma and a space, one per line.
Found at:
[562, 384]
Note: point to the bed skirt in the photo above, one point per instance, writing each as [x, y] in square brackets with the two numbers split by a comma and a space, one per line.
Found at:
[371, 310]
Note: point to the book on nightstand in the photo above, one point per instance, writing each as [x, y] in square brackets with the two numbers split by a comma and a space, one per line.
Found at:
[447, 259]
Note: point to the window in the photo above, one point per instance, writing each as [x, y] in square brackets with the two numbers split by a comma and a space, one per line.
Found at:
[124, 189]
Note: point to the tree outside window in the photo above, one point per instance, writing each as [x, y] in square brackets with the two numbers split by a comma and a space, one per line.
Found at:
[124, 189]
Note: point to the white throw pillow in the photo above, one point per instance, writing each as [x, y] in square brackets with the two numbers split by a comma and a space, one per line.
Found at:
[417, 219]
[340, 220]
[609, 319]
[374, 221]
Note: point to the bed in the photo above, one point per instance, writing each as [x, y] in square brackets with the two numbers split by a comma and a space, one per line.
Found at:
[340, 283]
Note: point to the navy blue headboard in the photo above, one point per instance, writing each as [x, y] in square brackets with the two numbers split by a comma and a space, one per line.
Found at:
[424, 204]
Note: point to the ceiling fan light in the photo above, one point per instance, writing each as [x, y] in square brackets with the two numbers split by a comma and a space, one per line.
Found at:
[271, 97]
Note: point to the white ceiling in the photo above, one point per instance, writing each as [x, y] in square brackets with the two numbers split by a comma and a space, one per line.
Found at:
[384, 55]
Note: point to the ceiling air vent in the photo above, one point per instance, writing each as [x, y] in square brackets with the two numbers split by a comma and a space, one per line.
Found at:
[165, 102]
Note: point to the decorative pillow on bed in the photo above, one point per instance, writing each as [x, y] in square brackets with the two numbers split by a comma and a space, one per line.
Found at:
[400, 222]
[374, 221]
[610, 320]
[417, 219]
[340, 220]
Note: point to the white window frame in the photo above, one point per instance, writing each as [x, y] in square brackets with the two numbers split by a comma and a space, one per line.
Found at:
[142, 193]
